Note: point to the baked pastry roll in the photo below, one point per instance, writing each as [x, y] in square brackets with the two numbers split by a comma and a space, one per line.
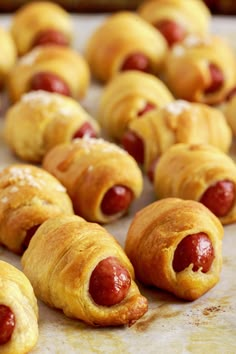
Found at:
[87, 276]
[201, 69]
[18, 311]
[102, 179]
[51, 68]
[128, 96]
[176, 19]
[40, 23]
[41, 120]
[124, 41]
[229, 109]
[176, 245]
[198, 172]
[176, 122]
[28, 196]
[7, 55]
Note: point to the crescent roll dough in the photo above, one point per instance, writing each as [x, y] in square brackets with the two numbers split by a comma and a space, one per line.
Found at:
[89, 168]
[187, 171]
[34, 18]
[66, 63]
[120, 35]
[41, 120]
[7, 55]
[16, 293]
[28, 196]
[181, 122]
[152, 240]
[125, 96]
[61, 275]
[229, 109]
[187, 69]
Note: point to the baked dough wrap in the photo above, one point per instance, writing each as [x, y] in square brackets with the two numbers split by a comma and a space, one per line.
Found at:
[229, 110]
[187, 171]
[7, 55]
[88, 168]
[29, 195]
[193, 15]
[187, 73]
[60, 275]
[17, 293]
[33, 18]
[181, 122]
[41, 120]
[125, 96]
[153, 237]
[64, 62]
[119, 36]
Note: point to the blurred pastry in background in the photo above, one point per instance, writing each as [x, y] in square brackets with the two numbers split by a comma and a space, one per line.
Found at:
[8, 55]
[40, 23]
[229, 109]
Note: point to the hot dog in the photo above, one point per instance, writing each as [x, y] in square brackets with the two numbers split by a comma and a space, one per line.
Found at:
[136, 61]
[172, 31]
[133, 144]
[85, 130]
[7, 324]
[217, 78]
[51, 36]
[49, 82]
[117, 199]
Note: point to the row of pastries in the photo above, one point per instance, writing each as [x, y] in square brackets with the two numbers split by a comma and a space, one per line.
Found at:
[167, 107]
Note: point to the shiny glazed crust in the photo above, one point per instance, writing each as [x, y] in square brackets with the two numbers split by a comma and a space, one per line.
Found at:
[17, 293]
[125, 95]
[187, 171]
[229, 109]
[88, 168]
[186, 69]
[64, 62]
[119, 36]
[153, 237]
[41, 120]
[62, 279]
[35, 17]
[28, 196]
[7, 55]
[181, 122]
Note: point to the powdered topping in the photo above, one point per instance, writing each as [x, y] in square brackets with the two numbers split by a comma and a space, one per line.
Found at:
[178, 50]
[177, 107]
[14, 189]
[29, 58]
[4, 200]
[194, 41]
[89, 144]
[40, 96]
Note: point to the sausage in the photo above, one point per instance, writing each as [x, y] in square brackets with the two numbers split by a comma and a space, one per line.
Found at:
[196, 249]
[217, 79]
[133, 144]
[49, 82]
[7, 324]
[219, 198]
[85, 130]
[117, 199]
[51, 36]
[148, 107]
[151, 169]
[231, 94]
[109, 282]
[172, 31]
[29, 234]
[136, 61]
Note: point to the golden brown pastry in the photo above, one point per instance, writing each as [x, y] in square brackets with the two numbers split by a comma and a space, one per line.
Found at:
[41, 120]
[176, 19]
[40, 23]
[51, 68]
[28, 196]
[176, 245]
[201, 69]
[128, 96]
[198, 172]
[102, 179]
[229, 109]
[176, 122]
[124, 41]
[7, 55]
[18, 311]
[87, 274]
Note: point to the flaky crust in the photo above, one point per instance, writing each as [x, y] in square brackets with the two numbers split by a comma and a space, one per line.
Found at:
[229, 109]
[62, 279]
[88, 168]
[7, 55]
[28, 196]
[35, 17]
[64, 62]
[181, 122]
[153, 237]
[187, 171]
[17, 293]
[41, 120]
[125, 95]
[120, 35]
[186, 68]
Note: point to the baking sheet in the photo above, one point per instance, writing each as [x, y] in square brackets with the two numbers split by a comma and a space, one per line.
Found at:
[207, 325]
